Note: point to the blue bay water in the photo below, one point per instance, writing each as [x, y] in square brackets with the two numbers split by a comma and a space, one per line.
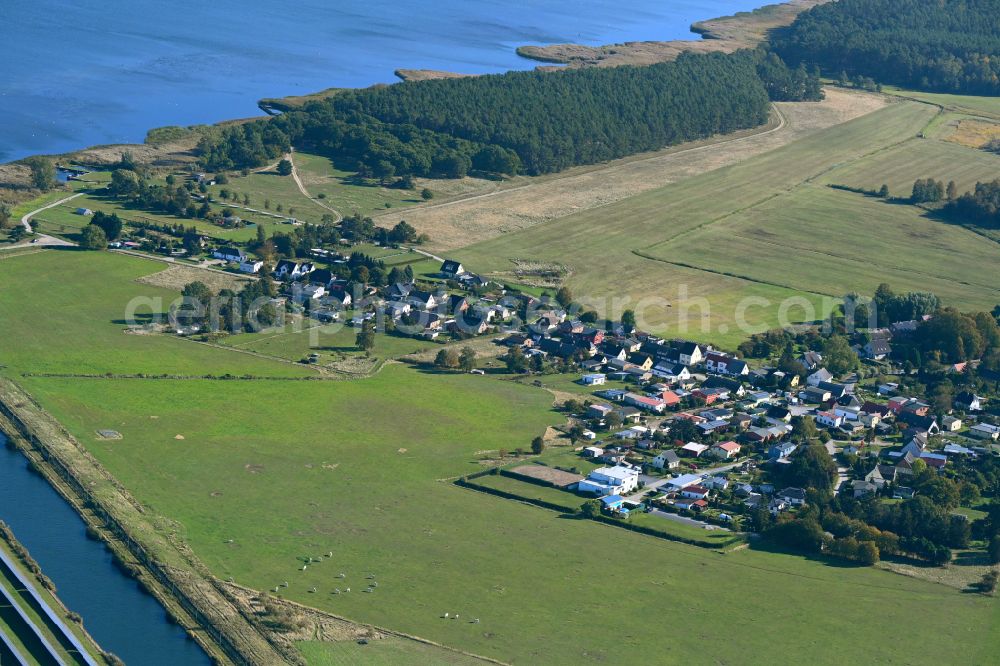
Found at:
[75, 74]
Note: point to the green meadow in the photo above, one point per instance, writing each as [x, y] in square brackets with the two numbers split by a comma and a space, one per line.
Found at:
[255, 475]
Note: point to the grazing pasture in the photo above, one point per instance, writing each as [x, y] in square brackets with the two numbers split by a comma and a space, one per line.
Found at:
[271, 473]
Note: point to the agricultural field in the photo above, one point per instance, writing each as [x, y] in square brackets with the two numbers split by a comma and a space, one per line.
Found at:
[820, 239]
[899, 166]
[987, 107]
[611, 253]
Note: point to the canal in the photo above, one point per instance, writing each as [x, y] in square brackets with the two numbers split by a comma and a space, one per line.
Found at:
[121, 616]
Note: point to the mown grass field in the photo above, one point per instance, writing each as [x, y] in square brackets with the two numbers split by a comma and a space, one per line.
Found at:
[320, 176]
[820, 239]
[766, 230]
[287, 469]
[898, 167]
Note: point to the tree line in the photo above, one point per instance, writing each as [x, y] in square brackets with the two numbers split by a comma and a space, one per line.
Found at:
[945, 46]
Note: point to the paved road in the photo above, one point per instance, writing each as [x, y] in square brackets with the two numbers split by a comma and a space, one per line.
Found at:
[43, 240]
[654, 482]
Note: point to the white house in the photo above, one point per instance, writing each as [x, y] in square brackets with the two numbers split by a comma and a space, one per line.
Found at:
[309, 292]
[689, 353]
[984, 431]
[681, 482]
[829, 419]
[666, 460]
[725, 364]
[292, 270]
[726, 450]
[818, 377]
[251, 266]
[595, 379]
[695, 492]
[233, 254]
[794, 496]
[610, 481]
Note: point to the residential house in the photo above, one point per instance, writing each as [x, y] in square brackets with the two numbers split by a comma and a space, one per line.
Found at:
[968, 402]
[984, 431]
[863, 488]
[716, 483]
[292, 270]
[645, 403]
[794, 496]
[732, 386]
[820, 375]
[814, 396]
[781, 450]
[399, 291]
[693, 449]
[934, 460]
[690, 504]
[837, 391]
[695, 492]
[617, 480]
[309, 292]
[592, 452]
[726, 450]
[876, 349]
[681, 482]
[951, 424]
[451, 269]
[595, 379]
[811, 360]
[848, 407]
[829, 419]
[251, 266]
[923, 423]
[725, 364]
[231, 254]
[424, 300]
[689, 353]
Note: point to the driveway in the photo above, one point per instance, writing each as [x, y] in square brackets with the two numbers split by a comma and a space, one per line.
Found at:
[688, 521]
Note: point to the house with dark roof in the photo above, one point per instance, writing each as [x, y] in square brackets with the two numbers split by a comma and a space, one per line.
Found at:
[451, 268]
[968, 402]
[232, 254]
[794, 496]
[292, 270]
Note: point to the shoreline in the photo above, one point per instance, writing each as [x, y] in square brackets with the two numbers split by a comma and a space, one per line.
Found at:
[726, 33]
[722, 34]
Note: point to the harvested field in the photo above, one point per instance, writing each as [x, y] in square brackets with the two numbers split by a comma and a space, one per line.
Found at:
[556, 477]
[176, 277]
[974, 133]
[480, 217]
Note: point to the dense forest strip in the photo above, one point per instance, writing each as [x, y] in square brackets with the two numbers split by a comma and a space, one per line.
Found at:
[520, 122]
[946, 46]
